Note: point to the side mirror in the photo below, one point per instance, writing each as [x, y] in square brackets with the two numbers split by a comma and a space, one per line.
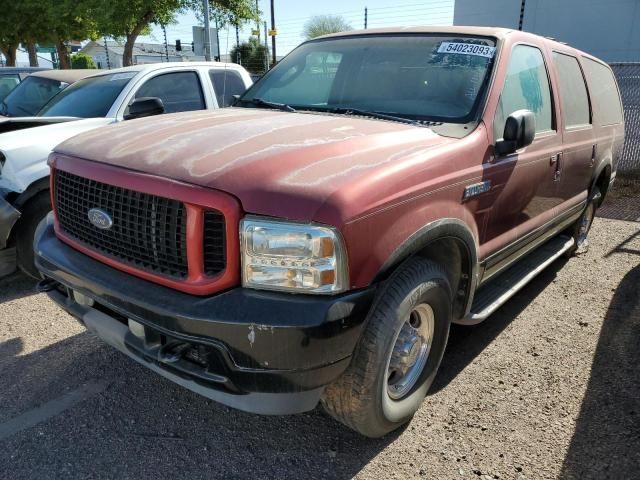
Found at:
[144, 107]
[519, 131]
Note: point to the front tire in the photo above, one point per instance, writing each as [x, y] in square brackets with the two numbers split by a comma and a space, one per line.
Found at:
[33, 212]
[399, 352]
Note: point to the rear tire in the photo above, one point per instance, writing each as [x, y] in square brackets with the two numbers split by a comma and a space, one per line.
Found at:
[390, 372]
[580, 230]
[32, 214]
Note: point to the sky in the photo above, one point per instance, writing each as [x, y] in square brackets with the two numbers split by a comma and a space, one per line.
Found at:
[291, 16]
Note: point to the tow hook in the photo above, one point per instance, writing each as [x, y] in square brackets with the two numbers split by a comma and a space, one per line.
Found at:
[47, 285]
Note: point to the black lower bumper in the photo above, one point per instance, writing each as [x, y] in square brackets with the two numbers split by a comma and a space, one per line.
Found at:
[263, 352]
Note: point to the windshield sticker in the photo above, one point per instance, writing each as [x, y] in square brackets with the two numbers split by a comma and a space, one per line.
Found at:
[467, 49]
[122, 76]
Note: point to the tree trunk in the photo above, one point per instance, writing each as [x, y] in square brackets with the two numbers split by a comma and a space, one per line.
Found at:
[127, 54]
[64, 58]
[9, 52]
[33, 55]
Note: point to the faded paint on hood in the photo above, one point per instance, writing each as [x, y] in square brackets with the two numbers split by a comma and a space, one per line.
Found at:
[276, 163]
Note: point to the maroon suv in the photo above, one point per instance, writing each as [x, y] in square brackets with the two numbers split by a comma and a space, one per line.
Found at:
[315, 243]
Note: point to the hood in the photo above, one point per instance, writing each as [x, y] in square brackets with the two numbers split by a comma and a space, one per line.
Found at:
[50, 134]
[10, 124]
[276, 163]
[26, 151]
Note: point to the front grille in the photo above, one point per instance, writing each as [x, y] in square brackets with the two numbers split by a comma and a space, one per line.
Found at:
[214, 242]
[148, 232]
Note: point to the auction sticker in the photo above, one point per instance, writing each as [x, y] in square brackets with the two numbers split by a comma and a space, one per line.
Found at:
[467, 49]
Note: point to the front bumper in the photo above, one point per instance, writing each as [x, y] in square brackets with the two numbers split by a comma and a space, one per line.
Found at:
[263, 352]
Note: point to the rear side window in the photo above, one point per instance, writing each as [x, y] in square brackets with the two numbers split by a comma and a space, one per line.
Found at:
[573, 91]
[604, 93]
[526, 86]
[179, 91]
[226, 83]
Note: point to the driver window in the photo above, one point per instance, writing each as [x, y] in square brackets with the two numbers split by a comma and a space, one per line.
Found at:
[526, 86]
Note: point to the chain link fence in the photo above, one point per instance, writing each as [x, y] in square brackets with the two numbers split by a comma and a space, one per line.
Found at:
[628, 76]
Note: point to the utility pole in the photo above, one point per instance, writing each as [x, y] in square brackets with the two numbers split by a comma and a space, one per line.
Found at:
[219, 59]
[266, 47]
[366, 17]
[207, 36]
[273, 36]
[166, 47]
[522, 5]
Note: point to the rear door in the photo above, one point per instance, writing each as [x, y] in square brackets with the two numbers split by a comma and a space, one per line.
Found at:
[226, 83]
[179, 91]
[576, 164]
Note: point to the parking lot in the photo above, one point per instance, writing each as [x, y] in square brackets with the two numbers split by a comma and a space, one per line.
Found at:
[548, 387]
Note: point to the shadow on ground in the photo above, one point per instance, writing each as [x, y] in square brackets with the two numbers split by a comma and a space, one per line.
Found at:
[467, 342]
[606, 441]
[17, 285]
[138, 425]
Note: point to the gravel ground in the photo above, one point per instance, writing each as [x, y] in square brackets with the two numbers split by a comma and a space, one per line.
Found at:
[548, 387]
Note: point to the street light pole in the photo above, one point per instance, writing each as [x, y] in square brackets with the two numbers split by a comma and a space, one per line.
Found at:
[273, 34]
[207, 37]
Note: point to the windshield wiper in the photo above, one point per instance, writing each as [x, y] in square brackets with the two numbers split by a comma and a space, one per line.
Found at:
[366, 113]
[277, 106]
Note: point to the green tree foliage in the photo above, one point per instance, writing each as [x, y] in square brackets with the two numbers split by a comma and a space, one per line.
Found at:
[129, 18]
[227, 12]
[325, 24]
[251, 55]
[82, 60]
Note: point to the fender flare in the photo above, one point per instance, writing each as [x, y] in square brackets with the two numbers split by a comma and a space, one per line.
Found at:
[32, 190]
[446, 228]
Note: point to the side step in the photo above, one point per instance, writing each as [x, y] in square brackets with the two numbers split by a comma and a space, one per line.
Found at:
[494, 294]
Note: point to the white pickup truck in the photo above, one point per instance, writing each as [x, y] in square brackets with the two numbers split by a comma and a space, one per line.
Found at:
[101, 99]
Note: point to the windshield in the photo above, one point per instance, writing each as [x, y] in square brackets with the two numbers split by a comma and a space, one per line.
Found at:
[419, 77]
[29, 97]
[89, 98]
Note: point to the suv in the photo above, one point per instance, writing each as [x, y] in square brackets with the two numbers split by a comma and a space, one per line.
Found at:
[315, 243]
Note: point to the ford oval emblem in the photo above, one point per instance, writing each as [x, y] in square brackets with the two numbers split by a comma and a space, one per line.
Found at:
[100, 219]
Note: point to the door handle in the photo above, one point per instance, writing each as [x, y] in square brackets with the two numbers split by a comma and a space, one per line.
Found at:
[556, 160]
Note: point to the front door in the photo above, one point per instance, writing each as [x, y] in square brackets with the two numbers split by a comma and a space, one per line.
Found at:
[524, 182]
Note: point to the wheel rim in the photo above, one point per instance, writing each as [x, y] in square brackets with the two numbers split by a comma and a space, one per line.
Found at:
[585, 222]
[410, 351]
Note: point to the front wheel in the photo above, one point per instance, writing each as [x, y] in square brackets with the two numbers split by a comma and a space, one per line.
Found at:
[34, 211]
[399, 352]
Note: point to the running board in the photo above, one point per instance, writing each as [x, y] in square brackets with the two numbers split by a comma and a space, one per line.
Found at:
[498, 291]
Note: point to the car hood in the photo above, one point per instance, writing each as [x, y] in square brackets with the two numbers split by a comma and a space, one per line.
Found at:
[26, 151]
[50, 134]
[11, 124]
[277, 163]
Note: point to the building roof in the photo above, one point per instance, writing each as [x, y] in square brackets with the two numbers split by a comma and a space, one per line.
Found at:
[7, 70]
[145, 49]
[68, 76]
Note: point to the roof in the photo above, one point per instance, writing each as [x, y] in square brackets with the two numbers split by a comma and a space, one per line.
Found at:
[146, 67]
[68, 76]
[481, 31]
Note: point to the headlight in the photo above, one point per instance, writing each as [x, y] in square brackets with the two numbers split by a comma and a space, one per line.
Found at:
[292, 257]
